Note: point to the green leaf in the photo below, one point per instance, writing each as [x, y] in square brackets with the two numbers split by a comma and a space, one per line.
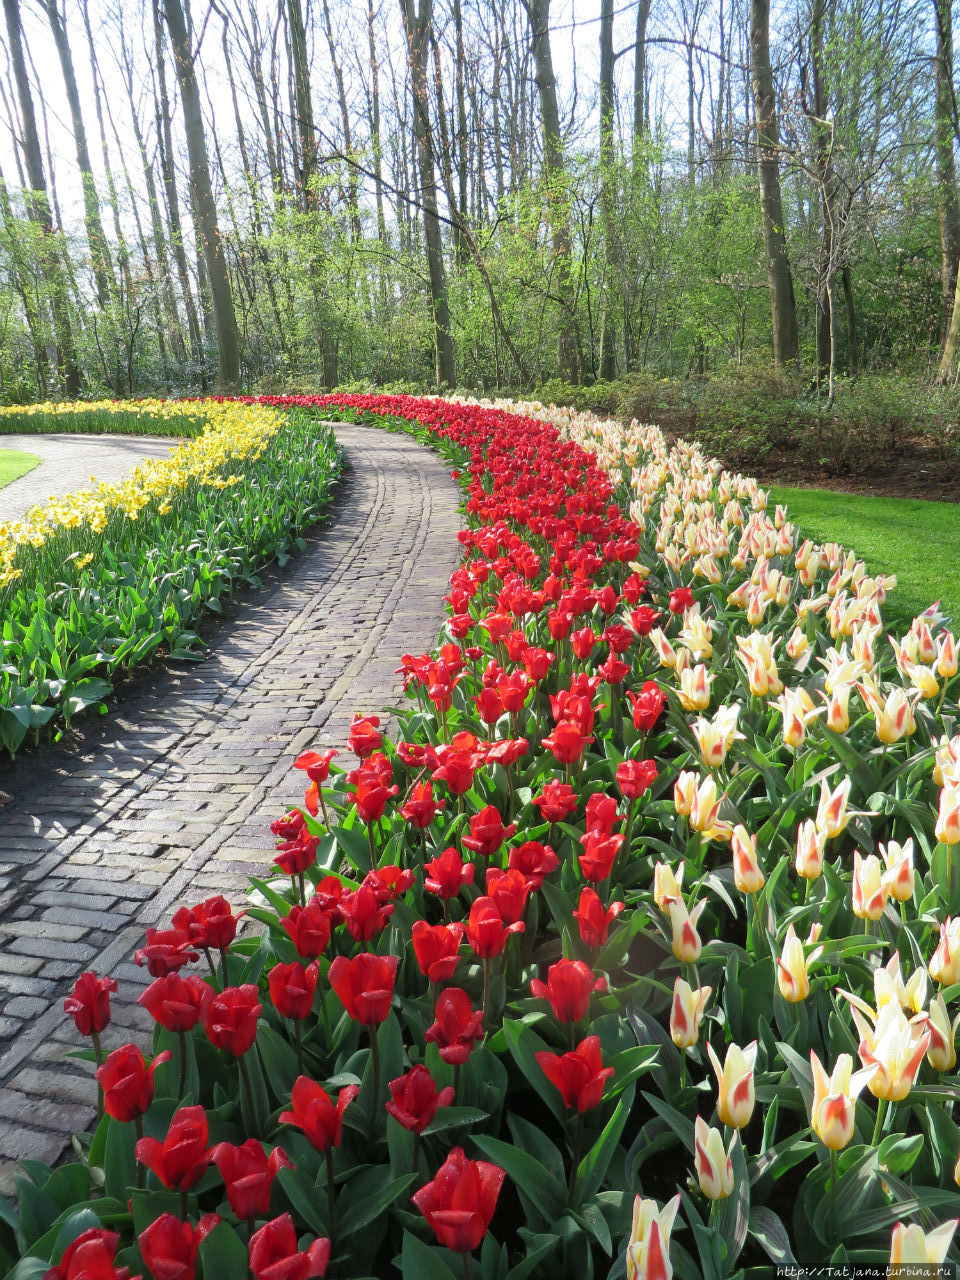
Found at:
[418, 1259]
[542, 1194]
[594, 1165]
[770, 1234]
[119, 1165]
[524, 1044]
[223, 1255]
[369, 1195]
[304, 1199]
[898, 1153]
[455, 1118]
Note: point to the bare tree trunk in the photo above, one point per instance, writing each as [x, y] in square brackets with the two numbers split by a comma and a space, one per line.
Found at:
[640, 118]
[203, 203]
[39, 206]
[538, 11]
[782, 304]
[816, 111]
[948, 205]
[99, 250]
[608, 358]
[20, 278]
[418, 28]
[853, 343]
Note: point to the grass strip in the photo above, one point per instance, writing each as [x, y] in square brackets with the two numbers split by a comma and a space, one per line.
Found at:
[14, 464]
[912, 538]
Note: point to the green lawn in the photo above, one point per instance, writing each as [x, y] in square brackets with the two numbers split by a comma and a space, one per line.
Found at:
[14, 464]
[915, 540]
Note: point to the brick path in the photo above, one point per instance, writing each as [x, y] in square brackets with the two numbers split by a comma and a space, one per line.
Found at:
[69, 462]
[173, 802]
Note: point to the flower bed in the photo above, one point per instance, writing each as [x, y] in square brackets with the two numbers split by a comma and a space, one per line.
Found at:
[99, 580]
[531, 995]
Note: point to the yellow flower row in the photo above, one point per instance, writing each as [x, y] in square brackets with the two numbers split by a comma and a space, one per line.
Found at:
[233, 432]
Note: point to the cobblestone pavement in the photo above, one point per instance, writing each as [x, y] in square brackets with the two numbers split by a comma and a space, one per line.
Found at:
[173, 802]
[69, 463]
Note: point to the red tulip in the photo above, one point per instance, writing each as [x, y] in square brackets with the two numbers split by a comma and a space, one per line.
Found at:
[634, 777]
[536, 662]
[568, 988]
[229, 1018]
[599, 852]
[364, 914]
[365, 737]
[487, 832]
[291, 989]
[182, 1158]
[507, 751]
[297, 855]
[309, 928]
[167, 950]
[364, 985]
[89, 1003]
[209, 924]
[555, 802]
[460, 1201]
[486, 932]
[644, 619]
[175, 1002]
[489, 705]
[248, 1174]
[619, 637]
[316, 764]
[601, 813]
[421, 809]
[647, 705]
[388, 883]
[680, 598]
[90, 1257]
[414, 1100]
[457, 1026]
[437, 948]
[127, 1082]
[593, 920]
[582, 642]
[274, 1254]
[169, 1247]
[567, 742]
[289, 826]
[580, 1075]
[509, 891]
[534, 861]
[447, 874]
[316, 1114]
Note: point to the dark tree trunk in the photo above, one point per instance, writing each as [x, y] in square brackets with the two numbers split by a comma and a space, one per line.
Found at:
[948, 204]
[782, 304]
[538, 12]
[418, 28]
[39, 207]
[203, 203]
[608, 360]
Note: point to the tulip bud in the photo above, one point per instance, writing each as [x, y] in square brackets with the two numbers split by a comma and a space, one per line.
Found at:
[713, 1165]
[686, 941]
[797, 645]
[832, 815]
[666, 885]
[941, 1052]
[796, 707]
[834, 1100]
[686, 1013]
[747, 874]
[792, 966]
[684, 791]
[910, 1246]
[947, 829]
[648, 1249]
[810, 848]
[947, 656]
[735, 1096]
[869, 890]
[838, 713]
[898, 877]
[945, 965]
[694, 691]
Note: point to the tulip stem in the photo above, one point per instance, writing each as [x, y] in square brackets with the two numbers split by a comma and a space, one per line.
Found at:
[184, 1206]
[182, 1078]
[213, 969]
[375, 1057]
[881, 1113]
[138, 1130]
[456, 1080]
[373, 851]
[247, 1090]
[486, 989]
[298, 1038]
[683, 1069]
[98, 1054]
[302, 887]
[331, 1195]
[416, 1150]
[575, 1161]
[251, 1228]
[833, 1195]
[467, 1267]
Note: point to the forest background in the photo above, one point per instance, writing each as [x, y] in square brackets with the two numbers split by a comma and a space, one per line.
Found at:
[700, 211]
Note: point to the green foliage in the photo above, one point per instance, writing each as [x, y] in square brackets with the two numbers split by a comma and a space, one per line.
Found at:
[133, 421]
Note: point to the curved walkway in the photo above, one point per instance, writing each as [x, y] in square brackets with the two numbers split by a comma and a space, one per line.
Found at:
[173, 803]
[70, 461]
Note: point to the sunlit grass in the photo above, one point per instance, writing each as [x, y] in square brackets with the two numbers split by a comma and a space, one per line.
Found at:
[14, 464]
[916, 540]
